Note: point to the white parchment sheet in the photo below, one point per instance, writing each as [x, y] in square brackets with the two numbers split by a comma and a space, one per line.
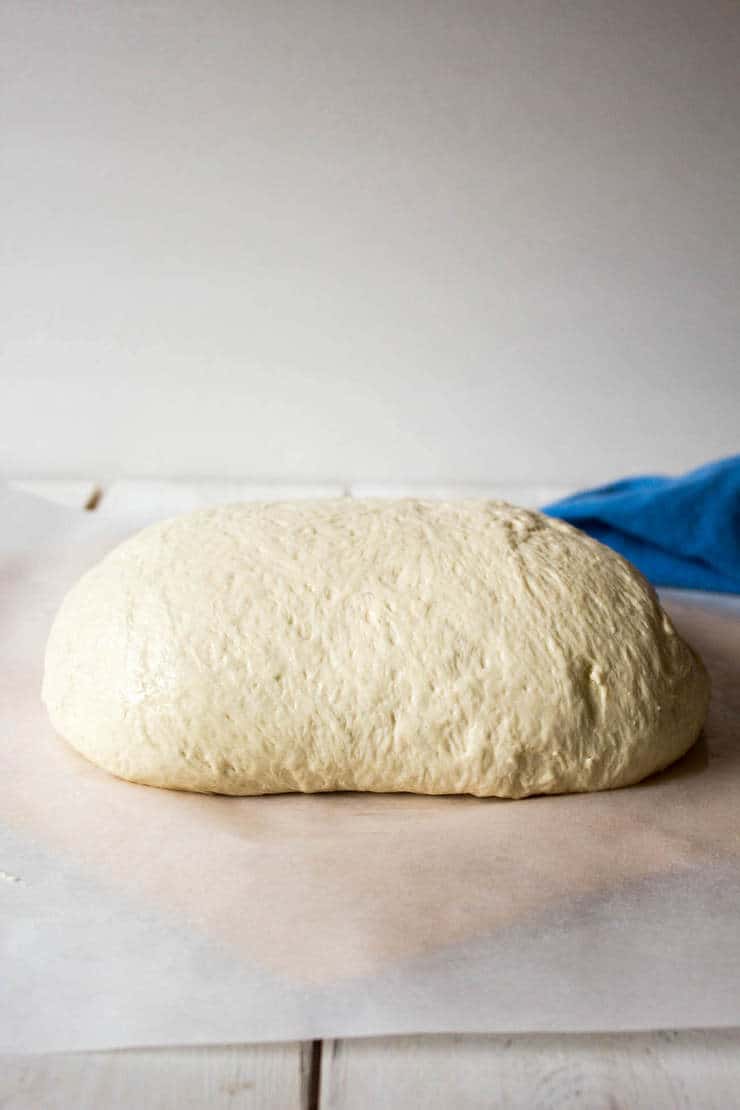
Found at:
[135, 916]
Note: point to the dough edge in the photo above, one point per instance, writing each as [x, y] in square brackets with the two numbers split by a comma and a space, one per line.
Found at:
[81, 716]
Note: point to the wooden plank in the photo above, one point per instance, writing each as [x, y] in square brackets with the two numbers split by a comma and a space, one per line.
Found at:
[529, 495]
[656, 1071]
[154, 499]
[75, 493]
[255, 1077]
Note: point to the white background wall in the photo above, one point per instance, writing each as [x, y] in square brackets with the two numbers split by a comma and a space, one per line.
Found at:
[382, 240]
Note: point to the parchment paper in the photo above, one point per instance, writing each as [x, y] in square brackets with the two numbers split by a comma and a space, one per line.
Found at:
[134, 916]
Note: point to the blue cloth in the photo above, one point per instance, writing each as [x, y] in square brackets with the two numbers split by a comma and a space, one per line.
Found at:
[678, 531]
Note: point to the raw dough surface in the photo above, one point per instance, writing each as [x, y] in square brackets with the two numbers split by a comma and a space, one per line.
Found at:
[435, 647]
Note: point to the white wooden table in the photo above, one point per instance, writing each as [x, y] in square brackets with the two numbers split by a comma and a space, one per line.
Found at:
[652, 1071]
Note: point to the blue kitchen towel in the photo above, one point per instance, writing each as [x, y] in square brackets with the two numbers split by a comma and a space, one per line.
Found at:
[678, 531]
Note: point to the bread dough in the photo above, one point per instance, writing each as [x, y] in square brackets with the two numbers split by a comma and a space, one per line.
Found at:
[435, 647]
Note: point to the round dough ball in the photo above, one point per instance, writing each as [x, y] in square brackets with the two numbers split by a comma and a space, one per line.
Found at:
[463, 647]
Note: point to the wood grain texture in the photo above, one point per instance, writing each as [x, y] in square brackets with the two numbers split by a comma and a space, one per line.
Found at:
[250, 1078]
[655, 1071]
